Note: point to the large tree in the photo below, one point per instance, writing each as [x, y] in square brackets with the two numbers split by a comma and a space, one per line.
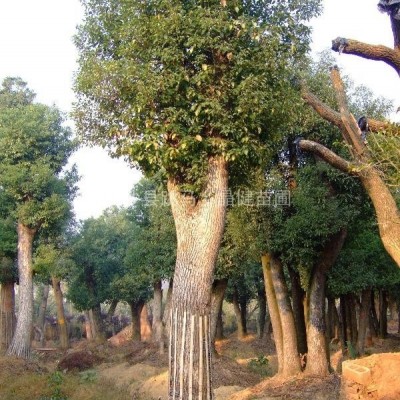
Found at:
[361, 162]
[197, 89]
[34, 149]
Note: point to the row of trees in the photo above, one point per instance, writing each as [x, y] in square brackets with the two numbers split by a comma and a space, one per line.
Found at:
[208, 98]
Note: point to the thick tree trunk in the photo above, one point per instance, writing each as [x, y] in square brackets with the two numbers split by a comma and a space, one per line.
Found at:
[273, 309]
[363, 320]
[383, 306]
[61, 321]
[96, 324]
[158, 329]
[217, 299]
[240, 312]
[291, 359]
[318, 350]
[199, 226]
[136, 310]
[167, 309]
[21, 343]
[42, 313]
[298, 295]
[262, 313]
[7, 314]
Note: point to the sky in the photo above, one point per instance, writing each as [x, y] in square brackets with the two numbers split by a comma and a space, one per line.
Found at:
[36, 44]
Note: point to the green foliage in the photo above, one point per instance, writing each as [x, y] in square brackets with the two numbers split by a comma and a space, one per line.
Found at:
[88, 376]
[98, 251]
[260, 365]
[34, 149]
[170, 83]
[55, 382]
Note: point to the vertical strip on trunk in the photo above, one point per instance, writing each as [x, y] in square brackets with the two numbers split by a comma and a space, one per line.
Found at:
[182, 356]
[191, 357]
[175, 346]
[207, 333]
[201, 357]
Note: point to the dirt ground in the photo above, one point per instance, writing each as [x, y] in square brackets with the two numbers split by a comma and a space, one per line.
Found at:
[137, 371]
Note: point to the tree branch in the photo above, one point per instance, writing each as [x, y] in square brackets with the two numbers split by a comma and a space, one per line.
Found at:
[368, 51]
[329, 156]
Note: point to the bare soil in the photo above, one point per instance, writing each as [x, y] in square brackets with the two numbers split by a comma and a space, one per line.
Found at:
[137, 371]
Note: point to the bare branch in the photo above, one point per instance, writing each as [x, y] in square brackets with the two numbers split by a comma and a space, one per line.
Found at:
[329, 156]
[353, 132]
[368, 51]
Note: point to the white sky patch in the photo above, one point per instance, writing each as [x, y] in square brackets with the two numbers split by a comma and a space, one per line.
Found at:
[36, 44]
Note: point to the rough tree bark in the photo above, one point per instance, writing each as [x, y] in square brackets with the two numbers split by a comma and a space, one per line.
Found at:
[21, 343]
[387, 212]
[7, 314]
[61, 321]
[217, 299]
[273, 309]
[96, 324]
[363, 320]
[199, 226]
[280, 311]
[318, 355]
[42, 313]
[158, 329]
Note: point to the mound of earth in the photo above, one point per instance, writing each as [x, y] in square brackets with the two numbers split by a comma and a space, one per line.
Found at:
[78, 360]
[378, 377]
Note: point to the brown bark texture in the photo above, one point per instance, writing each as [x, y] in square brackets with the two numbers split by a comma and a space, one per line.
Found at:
[21, 343]
[158, 329]
[199, 224]
[42, 313]
[7, 314]
[318, 356]
[273, 309]
[61, 320]
[239, 308]
[363, 320]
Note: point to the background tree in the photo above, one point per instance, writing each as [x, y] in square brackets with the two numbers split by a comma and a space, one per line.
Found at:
[195, 89]
[34, 149]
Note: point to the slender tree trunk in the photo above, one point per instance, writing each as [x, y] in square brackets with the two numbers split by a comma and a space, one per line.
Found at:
[158, 329]
[342, 323]
[383, 305]
[291, 359]
[262, 314]
[219, 330]
[62, 323]
[88, 326]
[298, 295]
[111, 310]
[199, 226]
[374, 316]
[21, 343]
[217, 299]
[363, 320]
[240, 315]
[7, 314]
[332, 320]
[136, 310]
[273, 309]
[318, 350]
[42, 313]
